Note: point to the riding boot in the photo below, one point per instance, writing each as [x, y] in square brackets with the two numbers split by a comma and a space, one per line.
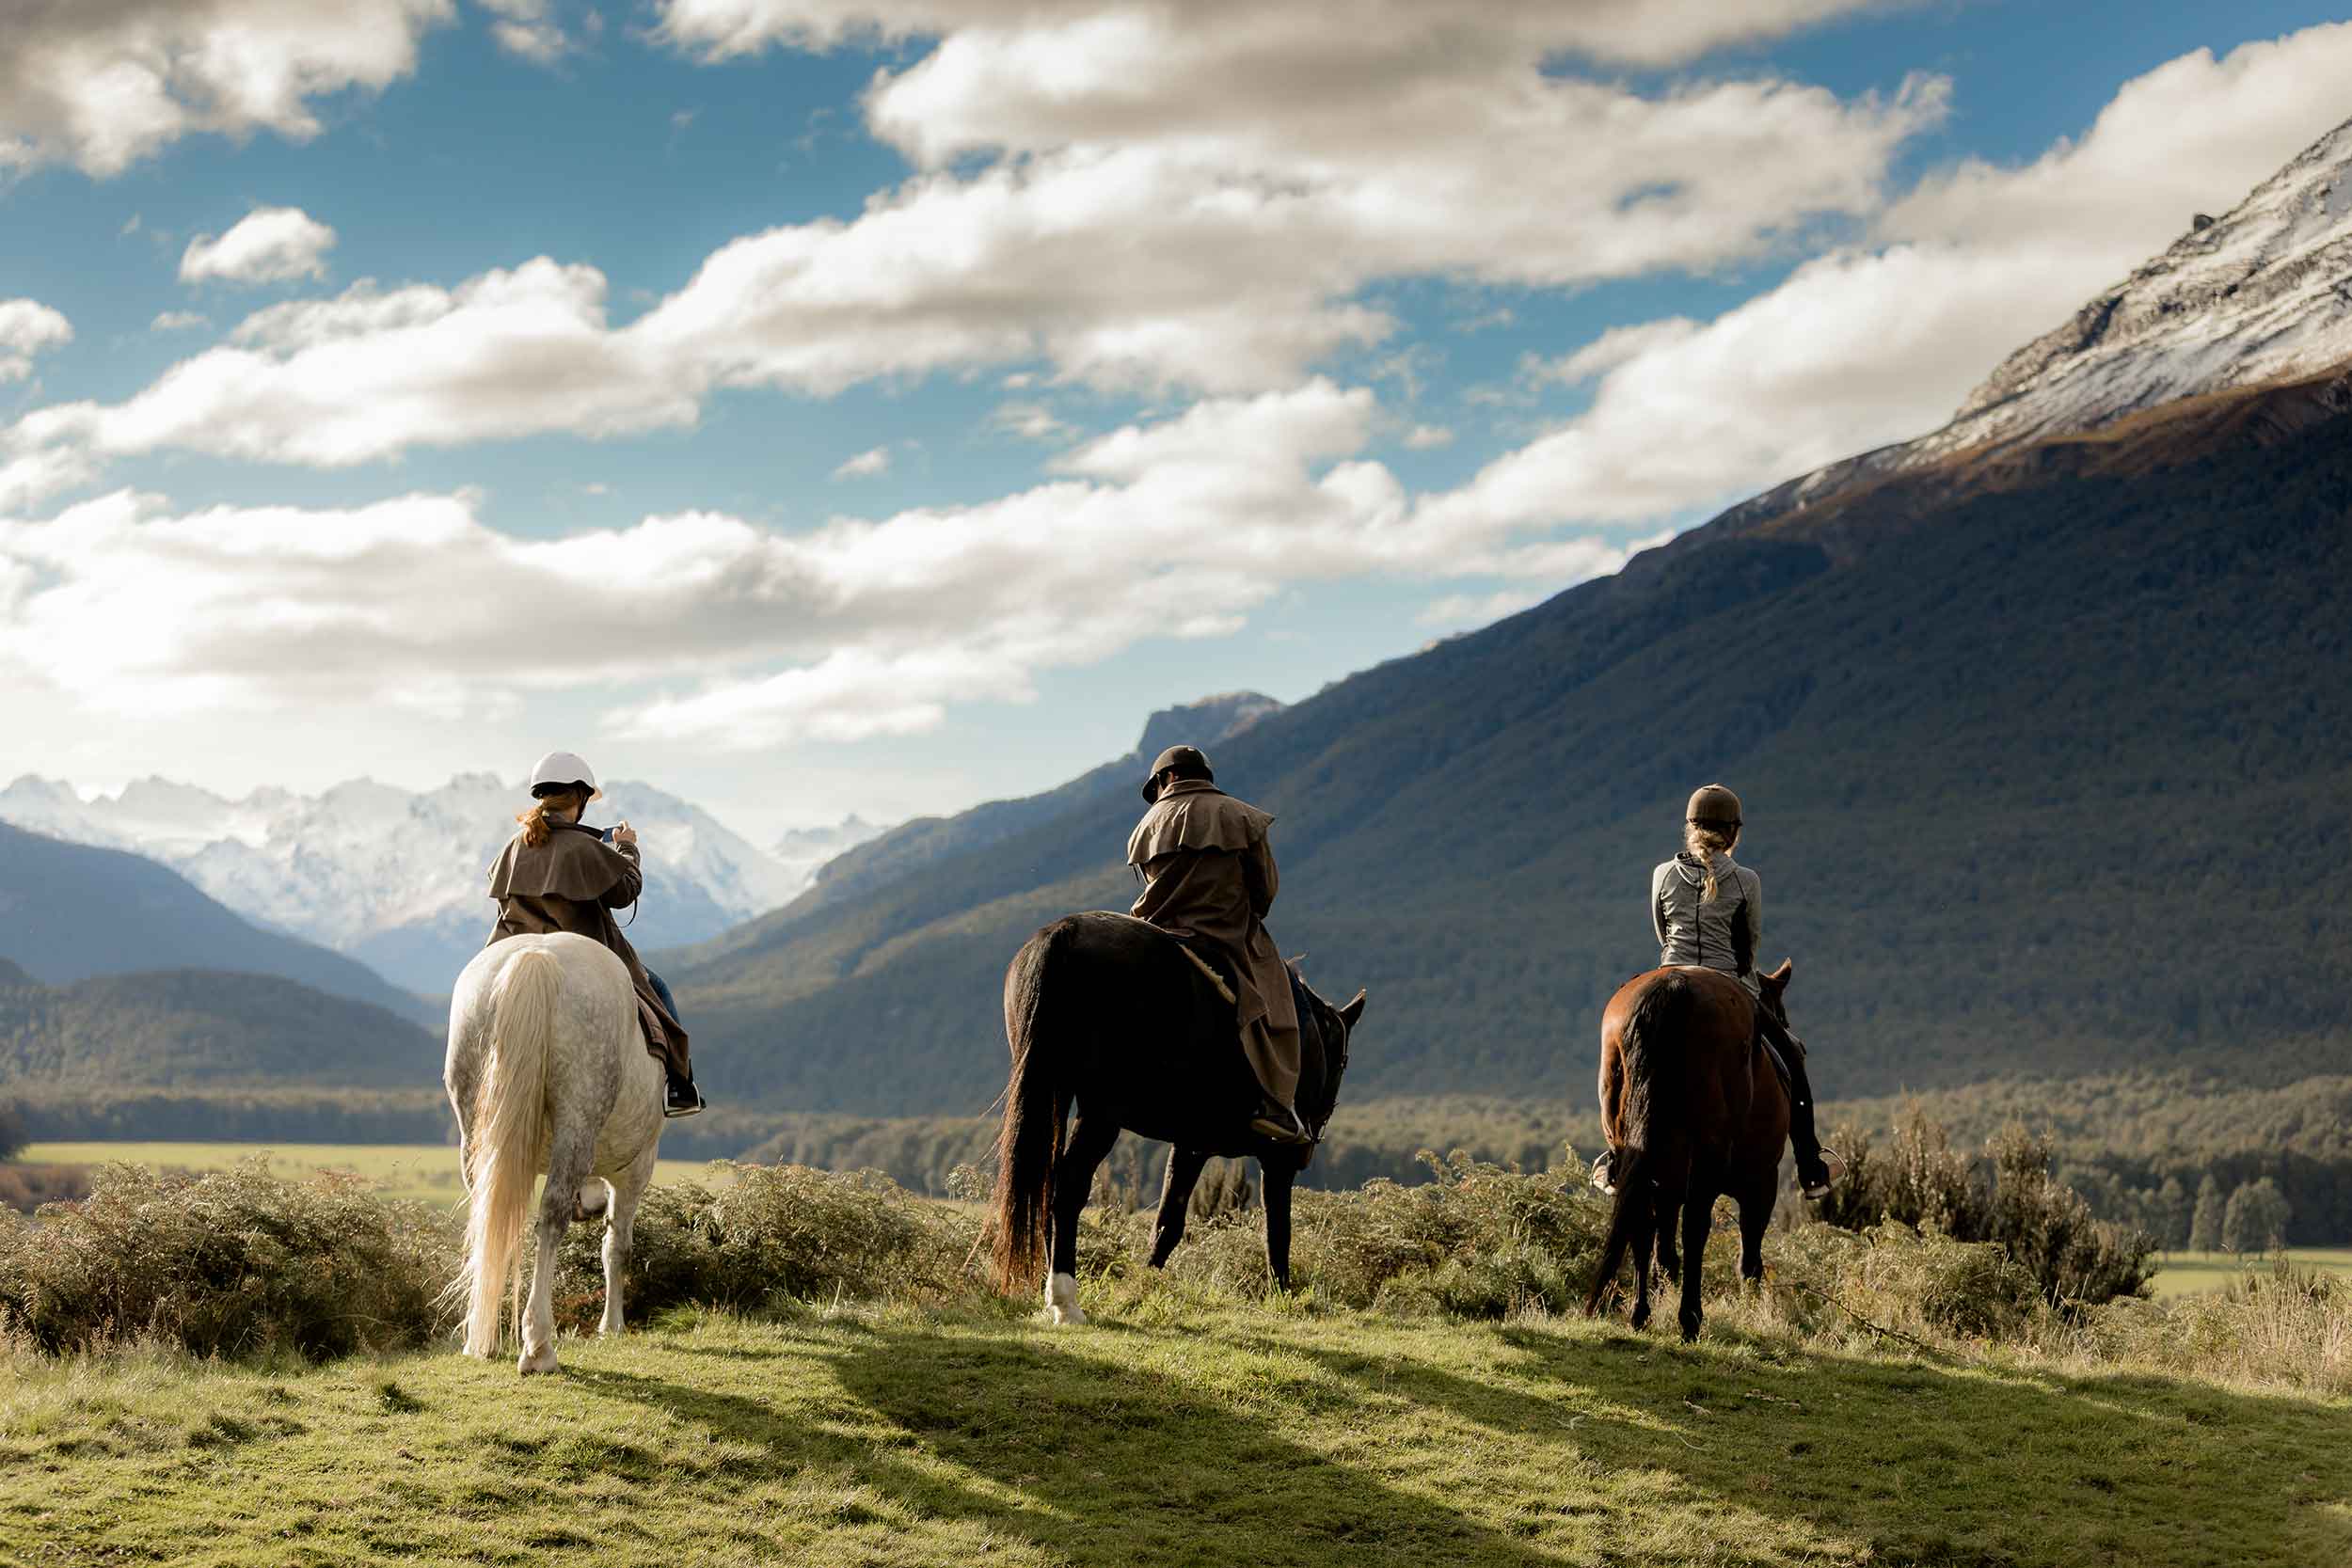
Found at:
[680, 1098]
[1279, 1122]
[1813, 1171]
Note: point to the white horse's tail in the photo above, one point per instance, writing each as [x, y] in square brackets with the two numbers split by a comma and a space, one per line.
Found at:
[509, 1127]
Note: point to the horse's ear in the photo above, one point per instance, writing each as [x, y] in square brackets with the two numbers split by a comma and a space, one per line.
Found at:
[1353, 1011]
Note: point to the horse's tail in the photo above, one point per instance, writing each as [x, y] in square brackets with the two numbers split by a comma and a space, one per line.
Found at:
[1648, 1122]
[1029, 1142]
[509, 1125]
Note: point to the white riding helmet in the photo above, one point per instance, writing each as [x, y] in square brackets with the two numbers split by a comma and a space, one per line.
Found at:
[561, 770]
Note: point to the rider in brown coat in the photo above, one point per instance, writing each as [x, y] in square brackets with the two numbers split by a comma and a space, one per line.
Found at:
[556, 875]
[1210, 880]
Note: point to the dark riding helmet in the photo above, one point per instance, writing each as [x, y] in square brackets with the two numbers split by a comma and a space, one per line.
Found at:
[1187, 760]
[1713, 807]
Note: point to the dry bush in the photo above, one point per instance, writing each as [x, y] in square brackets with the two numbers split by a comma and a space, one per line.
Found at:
[233, 1264]
[1845, 1286]
[2008, 1198]
[26, 1188]
[776, 1234]
[2284, 1325]
[1477, 1241]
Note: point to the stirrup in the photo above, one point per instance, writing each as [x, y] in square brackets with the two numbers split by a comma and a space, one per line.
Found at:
[1605, 1173]
[682, 1099]
[1834, 1168]
[1283, 1129]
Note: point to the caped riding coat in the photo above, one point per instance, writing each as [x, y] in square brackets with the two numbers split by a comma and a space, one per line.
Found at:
[1210, 879]
[573, 883]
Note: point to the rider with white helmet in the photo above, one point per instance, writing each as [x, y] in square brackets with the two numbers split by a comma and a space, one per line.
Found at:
[559, 875]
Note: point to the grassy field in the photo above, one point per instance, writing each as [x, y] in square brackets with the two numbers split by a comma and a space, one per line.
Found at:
[1178, 1431]
[427, 1172]
[2184, 1272]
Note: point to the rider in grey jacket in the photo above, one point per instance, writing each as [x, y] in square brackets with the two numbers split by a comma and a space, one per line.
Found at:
[1708, 913]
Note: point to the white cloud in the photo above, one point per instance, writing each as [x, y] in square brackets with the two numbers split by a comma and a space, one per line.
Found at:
[874, 460]
[1635, 32]
[1427, 437]
[1860, 348]
[1461, 611]
[857, 627]
[1032, 422]
[28, 328]
[1203, 236]
[528, 29]
[269, 245]
[368, 374]
[180, 321]
[103, 83]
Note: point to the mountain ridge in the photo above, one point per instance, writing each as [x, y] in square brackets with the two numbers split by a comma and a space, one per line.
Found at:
[1953, 657]
[73, 911]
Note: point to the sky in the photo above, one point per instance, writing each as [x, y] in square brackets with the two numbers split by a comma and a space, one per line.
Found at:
[818, 406]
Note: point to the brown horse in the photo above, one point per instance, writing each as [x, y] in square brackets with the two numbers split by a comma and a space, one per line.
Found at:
[1692, 1103]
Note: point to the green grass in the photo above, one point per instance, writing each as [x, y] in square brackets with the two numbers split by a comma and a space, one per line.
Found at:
[1179, 1429]
[427, 1172]
[2184, 1272]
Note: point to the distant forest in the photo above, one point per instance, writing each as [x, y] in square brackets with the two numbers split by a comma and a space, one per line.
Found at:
[2151, 1150]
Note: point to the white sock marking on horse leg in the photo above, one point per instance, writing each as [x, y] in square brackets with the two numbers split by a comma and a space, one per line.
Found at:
[1061, 1295]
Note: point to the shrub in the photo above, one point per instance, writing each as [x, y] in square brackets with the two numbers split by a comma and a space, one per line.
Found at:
[1479, 1240]
[2010, 1197]
[774, 1234]
[233, 1264]
[2283, 1324]
[1844, 1285]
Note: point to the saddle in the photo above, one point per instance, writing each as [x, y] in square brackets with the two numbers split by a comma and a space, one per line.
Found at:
[1210, 962]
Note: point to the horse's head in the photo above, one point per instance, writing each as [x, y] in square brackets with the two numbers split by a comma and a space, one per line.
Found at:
[1324, 1035]
[1773, 989]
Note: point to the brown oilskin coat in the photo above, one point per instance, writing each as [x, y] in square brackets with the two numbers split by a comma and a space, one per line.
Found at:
[573, 883]
[1211, 880]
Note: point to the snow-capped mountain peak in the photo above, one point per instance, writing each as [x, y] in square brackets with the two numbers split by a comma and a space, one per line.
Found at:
[2262, 293]
[395, 876]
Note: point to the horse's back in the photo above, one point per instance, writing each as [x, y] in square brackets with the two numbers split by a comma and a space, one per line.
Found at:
[1691, 1028]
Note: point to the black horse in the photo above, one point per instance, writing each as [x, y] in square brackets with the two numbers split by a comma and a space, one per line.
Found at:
[1111, 1014]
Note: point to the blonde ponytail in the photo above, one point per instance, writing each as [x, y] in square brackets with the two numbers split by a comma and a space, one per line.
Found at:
[1704, 842]
[559, 805]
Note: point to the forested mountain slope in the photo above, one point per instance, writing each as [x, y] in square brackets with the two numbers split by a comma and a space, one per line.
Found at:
[2046, 755]
[69, 911]
[201, 1029]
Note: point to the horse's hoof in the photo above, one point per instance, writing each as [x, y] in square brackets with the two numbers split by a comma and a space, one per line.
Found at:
[532, 1361]
[1689, 1326]
[1061, 1299]
[1641, 1315]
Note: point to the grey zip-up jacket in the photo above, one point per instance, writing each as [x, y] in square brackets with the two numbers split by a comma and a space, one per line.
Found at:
[1722, 935]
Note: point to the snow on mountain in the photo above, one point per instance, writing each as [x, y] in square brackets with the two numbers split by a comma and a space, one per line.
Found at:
[394, 877]
[804, 851]
[2261, 294]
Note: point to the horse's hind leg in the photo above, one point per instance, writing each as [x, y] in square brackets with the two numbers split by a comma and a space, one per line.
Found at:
[1669, 1216]
[1698, 1216]
[1184, 1166]
[629, 1188]
[568, 1160]
[1645, 1239]
[1755, 1217]
[1073, 1183]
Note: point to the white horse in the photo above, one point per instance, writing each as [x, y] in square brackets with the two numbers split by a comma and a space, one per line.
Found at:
[549, 1071]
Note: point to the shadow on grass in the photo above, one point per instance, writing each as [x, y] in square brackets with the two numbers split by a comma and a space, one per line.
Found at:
[1090, 1460]
[1516, 1446]
[1922, 1461]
